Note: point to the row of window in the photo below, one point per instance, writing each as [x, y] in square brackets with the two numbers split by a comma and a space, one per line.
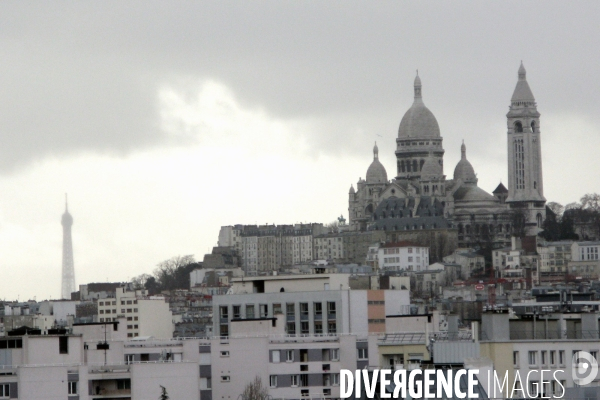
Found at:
[547, 357]
[264, 309]
[114, 303]
[288, 355]
[301, 380]
[305, 328]
[129, 310]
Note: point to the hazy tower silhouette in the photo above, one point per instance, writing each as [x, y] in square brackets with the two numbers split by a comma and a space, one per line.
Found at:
[68, 268]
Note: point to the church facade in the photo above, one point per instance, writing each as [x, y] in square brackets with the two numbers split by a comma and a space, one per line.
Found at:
[421, 197]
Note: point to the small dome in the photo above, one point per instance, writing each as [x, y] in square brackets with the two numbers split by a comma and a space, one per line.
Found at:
[418, 121]
[376, 172]
[464, 170]
[431, 169]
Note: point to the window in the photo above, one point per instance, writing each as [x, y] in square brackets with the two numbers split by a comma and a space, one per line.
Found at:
[304, 327]
[532, 357]
[129, 358]
[304, 392]
[326, 379]
[533, 389]
[289, 355]
[63, 345]
[101, 303]
[304, 310]
[129, 326]
[205, 383]
[326, 392]
[123, 384]
[276, 308]
[332, 328]
[303, 380]
[544, 356]
[289, 308]
[553, 357]
[275, 356]
[291, 328]
[264, 310]
[335, 354]
[128, 301]
[122, 302]
[129, 319]
[318, 328]
[135, 310]
[295, 380]
[318, 307]
[561, 357]
[303, 355]
[331, 307]
[224, 330]
[273, 381]
[72, 388]
[225, 378]
[224, 311]
[363, 354]
[516, 358]
[225, 353]
[5, 391]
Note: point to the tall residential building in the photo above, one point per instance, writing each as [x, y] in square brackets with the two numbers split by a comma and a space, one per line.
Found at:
[68, 268]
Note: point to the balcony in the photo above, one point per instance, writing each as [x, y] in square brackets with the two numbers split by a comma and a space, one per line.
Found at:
[110, 389]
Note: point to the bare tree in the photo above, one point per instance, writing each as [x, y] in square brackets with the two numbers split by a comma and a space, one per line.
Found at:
[255, 390]
[163, 395]
[172, 273]
[333, 226]
[591, 201]
[139, 282]
[519, 219]
[556, 208]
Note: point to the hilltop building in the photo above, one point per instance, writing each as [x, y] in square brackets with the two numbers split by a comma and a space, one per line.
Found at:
[422, 197]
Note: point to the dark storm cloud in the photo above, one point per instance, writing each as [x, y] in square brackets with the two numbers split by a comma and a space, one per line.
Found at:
[84, 76]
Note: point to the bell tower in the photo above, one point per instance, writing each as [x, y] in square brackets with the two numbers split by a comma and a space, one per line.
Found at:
[525, 179]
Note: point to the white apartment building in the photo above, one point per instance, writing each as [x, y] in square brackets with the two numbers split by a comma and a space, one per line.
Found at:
[554, 257]
[323, 312]
[530, 344]
[328, 247]
[402, 256]
[291, 367]
[144, 316]
[585, 251]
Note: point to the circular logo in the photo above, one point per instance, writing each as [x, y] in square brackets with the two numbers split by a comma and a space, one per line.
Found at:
[585, 368]
[479, 286]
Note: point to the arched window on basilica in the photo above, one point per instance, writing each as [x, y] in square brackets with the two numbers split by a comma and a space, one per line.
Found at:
[533, 126]
[539, 220]
[518, 127]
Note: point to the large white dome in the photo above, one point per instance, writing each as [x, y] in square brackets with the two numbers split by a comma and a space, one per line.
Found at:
[418, 121]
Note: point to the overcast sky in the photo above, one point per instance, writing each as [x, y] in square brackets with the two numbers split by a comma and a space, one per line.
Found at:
[165, 120]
